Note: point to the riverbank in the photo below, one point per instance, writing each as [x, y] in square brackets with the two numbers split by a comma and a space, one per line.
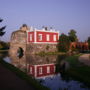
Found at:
[15, 72]
[85, 58]
[1, 51]
[78, 71]
[9, 81]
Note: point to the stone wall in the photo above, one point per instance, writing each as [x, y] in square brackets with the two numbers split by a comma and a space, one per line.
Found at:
[37, 48]
[19, 40]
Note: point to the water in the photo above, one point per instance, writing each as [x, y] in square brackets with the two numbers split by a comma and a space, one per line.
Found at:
[44, 69]
[56, 83]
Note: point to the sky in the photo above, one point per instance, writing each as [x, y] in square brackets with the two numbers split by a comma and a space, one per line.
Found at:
[62, 15]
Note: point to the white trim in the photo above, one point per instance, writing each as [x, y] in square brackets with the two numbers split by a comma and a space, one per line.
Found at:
[47, 37]
[40, 37]
[48, 69]
[27, 37]
[54, 68]
[35, 36]
[40, 70]
[45, 42]
[35, 71]
[31, 70]
[45, 31]
[54, 37]
[30, 37]
[45, 64]
[58, 36]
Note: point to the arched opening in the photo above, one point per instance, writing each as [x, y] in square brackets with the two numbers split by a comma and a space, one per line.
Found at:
[20, 52]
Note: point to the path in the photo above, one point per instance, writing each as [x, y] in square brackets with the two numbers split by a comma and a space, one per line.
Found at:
[85, 59]
[9, 81]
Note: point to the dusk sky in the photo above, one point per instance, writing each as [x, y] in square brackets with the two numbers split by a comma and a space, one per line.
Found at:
[62, 15]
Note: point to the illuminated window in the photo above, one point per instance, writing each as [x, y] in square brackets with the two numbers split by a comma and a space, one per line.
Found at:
[54, 37]
[48, 69]
[48, 37]
[40, 70]
[30, 37]
[40, 37]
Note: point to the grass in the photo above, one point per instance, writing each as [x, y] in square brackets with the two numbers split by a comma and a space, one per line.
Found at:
[78, 70]
[24, 76]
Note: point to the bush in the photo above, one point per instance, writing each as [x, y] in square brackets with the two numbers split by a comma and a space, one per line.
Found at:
[4, 45]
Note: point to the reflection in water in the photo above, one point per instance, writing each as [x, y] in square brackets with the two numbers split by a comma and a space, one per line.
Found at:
[20, 52]
[35, 65]
[44, 70]
[3, 54]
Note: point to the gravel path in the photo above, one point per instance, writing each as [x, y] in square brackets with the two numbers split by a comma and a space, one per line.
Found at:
[9, 81]
[85, 59]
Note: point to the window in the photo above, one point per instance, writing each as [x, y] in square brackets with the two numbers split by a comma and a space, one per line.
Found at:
[30, 37]
[48, 37]
[40, 70]
[30, 70]
[48, 69]
[54, 68]
[54, 37]
[40, 37]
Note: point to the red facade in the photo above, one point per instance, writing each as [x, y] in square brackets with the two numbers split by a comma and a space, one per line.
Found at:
[40, 36]
[32, 36]
[41, 70]
[44, 36]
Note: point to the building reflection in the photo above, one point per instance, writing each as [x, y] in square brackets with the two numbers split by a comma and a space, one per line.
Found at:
[36, 66]
[44, 70]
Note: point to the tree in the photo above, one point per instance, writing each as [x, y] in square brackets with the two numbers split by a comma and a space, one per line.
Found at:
[2, 29]
[88, 42]
[63, 43]
[72, 35]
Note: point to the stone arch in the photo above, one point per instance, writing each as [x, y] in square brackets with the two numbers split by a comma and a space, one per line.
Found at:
[20, 52]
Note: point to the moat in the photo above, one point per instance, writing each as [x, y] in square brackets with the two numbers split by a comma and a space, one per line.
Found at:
[47, 71]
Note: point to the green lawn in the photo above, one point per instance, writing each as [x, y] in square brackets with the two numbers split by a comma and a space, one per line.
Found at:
[78, 70]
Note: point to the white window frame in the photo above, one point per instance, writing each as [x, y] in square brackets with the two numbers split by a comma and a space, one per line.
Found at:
[30, 37]
[54, 68]
[40, 37]
[54, 37]
[40, 70]
[48, 37]
[31, 70]
[48, 69]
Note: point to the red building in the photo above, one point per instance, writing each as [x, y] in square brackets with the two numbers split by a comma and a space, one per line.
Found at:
[79, 45]
[41, 66]
[36, 65]
[42, 36]
[43, 70]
